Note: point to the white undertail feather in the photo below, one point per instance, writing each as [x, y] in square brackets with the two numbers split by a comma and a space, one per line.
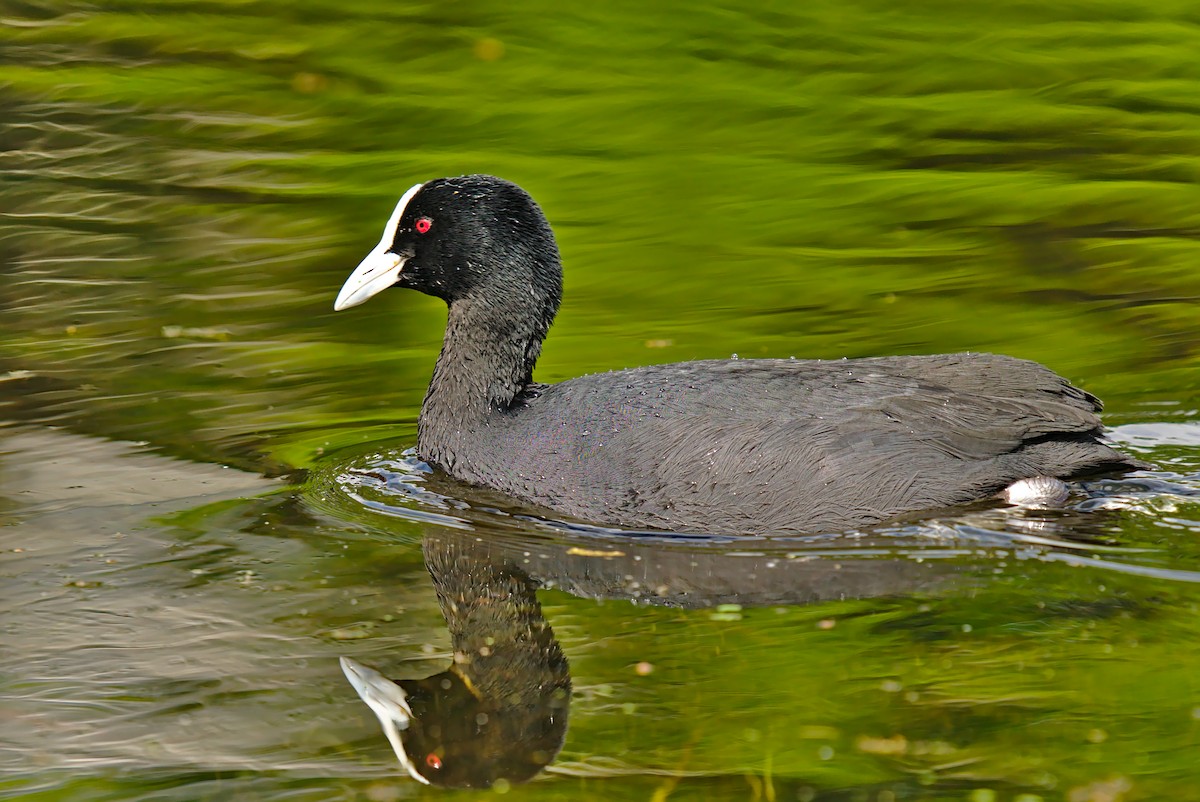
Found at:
[1037, 491]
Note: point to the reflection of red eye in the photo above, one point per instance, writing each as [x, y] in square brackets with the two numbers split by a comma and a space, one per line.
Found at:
[423, 225]
[432, 760]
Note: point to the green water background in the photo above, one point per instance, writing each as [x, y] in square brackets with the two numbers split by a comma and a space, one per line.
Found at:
[185, 185]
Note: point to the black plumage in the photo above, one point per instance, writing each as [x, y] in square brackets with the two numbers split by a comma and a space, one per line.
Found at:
[725, 446]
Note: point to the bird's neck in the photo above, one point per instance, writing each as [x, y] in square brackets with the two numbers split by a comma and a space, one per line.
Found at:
[491, 346]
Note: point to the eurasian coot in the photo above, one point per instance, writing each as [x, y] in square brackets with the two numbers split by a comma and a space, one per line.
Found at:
[749, 446]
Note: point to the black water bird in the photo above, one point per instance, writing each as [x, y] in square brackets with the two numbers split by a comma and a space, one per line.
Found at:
[749, 446]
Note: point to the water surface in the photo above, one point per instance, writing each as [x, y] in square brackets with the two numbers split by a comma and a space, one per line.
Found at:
[203, 469]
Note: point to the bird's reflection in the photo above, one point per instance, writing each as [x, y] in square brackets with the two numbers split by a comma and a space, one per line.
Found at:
[499, 711]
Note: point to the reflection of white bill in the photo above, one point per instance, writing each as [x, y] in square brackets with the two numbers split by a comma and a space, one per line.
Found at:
[388, 701]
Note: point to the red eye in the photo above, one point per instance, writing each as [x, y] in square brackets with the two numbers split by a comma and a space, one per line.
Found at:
[431, 760]
[423, 225]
